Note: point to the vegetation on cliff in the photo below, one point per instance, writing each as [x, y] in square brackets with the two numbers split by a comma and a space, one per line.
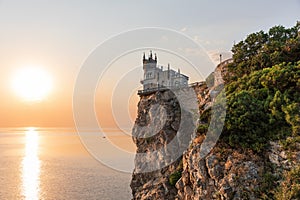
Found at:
[263, 90]
[264, 50]
[263, 103]
[264, 106]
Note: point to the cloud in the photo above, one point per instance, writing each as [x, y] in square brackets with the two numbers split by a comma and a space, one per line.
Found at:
[183, 29]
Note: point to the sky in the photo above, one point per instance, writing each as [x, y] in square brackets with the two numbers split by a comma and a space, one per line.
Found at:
[60, 36]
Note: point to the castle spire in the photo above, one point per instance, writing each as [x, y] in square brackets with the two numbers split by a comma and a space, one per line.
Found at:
[144, 56]
[155, 57]
[150, 54]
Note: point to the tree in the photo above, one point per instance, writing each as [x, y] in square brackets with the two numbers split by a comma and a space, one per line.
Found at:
[262, 50]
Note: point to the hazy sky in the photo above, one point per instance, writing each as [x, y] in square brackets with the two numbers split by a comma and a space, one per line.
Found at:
[59, 35]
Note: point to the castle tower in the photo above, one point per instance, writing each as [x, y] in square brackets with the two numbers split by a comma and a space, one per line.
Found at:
[156, 78]
[150, 62]
[150, 71]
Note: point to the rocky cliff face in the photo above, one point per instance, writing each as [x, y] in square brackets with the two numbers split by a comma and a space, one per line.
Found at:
[154, 184]
[224, 173]
[227, 173]
[162, 132]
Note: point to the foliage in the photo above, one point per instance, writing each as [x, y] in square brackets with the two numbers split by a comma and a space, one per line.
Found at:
[180, 166]
[290, 186]
[174, 177]
[262, 50]
[267, 187]
[263, 88]
[205, 117]
[290, 143]
[202, 128]
[264, 105]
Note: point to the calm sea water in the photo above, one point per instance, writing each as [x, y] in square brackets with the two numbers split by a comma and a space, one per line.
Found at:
[52, 164]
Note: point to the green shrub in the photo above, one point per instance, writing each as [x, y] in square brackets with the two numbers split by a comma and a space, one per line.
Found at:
[174, 178]
[263, 106]
[263, 88]
[202, 128]
[206, 116]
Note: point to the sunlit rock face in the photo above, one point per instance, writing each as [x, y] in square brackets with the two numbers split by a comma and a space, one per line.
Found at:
[223, 174]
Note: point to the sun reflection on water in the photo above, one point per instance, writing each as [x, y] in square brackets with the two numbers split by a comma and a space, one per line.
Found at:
[31, 166]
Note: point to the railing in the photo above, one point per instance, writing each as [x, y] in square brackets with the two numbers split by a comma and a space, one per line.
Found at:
[152, 90]
[163, 88]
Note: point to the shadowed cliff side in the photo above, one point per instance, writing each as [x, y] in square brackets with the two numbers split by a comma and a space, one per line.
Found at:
[162, 132]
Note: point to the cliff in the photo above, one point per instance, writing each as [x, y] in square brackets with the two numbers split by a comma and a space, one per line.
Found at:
[223, 172]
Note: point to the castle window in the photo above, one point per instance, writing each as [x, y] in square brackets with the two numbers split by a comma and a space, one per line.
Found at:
[149, 75]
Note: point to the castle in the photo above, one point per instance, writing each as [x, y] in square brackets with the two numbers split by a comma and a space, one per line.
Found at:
[155, 77]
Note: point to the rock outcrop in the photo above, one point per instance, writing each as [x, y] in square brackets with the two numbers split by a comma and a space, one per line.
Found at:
[223, 173]
[147, 184]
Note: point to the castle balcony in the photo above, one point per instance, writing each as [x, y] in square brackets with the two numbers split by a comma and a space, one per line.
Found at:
[164, 88]
[151, 91]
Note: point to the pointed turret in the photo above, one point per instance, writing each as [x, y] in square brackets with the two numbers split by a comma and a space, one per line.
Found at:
[149, 62]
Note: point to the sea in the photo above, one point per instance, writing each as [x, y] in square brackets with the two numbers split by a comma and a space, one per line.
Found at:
[54, 164]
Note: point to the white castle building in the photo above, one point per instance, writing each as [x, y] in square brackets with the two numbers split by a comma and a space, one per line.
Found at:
[155, 77]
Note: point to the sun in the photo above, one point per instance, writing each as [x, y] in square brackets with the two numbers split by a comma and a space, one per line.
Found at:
[32, 83]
